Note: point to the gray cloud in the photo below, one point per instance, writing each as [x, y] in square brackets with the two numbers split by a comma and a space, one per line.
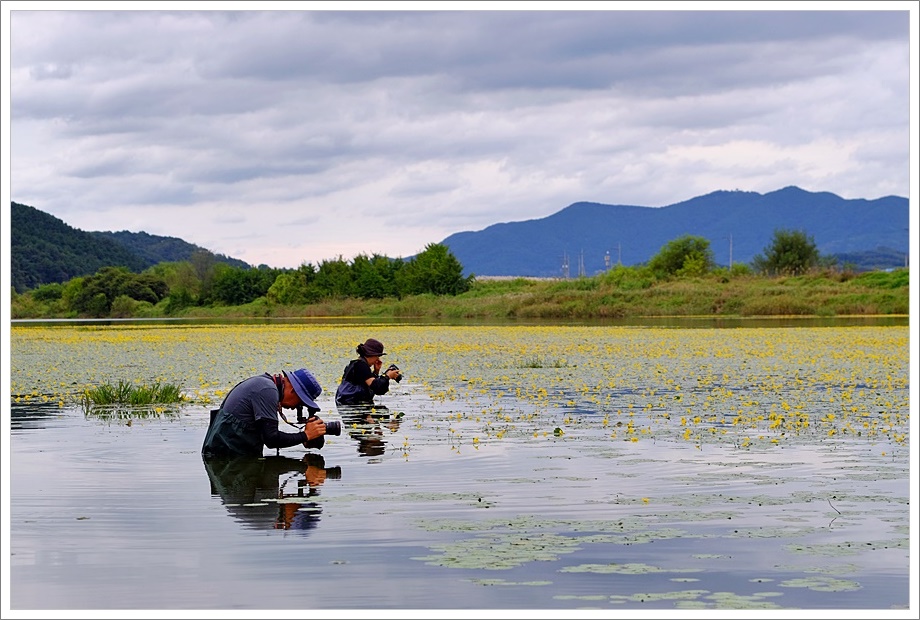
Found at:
[283, 136]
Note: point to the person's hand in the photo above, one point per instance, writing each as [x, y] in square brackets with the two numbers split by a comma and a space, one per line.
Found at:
[392, 374]
[315, 428]
[378, 365]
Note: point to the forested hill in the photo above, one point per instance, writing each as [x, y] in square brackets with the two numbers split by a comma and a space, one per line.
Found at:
[44, 249]
[155, 249]
[588, 238]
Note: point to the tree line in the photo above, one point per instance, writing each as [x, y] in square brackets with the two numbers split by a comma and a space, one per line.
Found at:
[168, 288]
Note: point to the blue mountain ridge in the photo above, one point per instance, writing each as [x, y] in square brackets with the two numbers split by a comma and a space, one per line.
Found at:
[738, 225]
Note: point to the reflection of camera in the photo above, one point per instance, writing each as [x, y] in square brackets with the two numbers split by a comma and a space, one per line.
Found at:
[334, 473]
[332, 428]
[398, 373]
[318, 462]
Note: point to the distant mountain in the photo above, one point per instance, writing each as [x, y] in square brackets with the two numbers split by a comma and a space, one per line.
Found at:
[581, 239]
[584, 236]
[43, 250]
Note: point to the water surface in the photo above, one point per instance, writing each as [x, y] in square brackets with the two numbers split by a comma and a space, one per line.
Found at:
[539, 468]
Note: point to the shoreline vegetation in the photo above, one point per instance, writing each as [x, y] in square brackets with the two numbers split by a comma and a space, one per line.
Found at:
[820, 294]
[791, 279]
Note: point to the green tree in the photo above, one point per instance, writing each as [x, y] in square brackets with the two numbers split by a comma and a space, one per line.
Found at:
[93, 295]
[48, 292]
[234, 286]
[688, 255]
[333, 279]
[99, 290]
[435, 270]
[182, 282]
[792, 252]
[294, 287]
[178, 275]
[73, 289]
[374, 277]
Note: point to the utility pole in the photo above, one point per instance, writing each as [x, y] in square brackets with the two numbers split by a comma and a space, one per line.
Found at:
[607, 261]
[729, 251]
[581, 264]
[619, 253]
[565, 265]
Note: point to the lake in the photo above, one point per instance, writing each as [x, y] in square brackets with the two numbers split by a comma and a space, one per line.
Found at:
[594, 468]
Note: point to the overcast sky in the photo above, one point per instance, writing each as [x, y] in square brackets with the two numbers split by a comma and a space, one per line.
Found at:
[281, 137]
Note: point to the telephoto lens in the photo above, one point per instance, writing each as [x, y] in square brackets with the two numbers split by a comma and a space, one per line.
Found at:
[333, 428]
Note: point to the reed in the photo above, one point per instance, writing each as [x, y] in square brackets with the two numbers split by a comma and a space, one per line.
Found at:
[127, 393]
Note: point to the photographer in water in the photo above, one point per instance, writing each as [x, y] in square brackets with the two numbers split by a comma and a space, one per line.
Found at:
[362, 379]
[248, 418]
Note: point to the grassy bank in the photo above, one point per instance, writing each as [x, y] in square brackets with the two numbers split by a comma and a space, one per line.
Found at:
[621, 295]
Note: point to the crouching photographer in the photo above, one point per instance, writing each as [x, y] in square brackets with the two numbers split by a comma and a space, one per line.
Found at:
[362, 378]
[247, 420]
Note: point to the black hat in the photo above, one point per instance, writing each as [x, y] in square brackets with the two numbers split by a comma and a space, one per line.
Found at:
[373, 347]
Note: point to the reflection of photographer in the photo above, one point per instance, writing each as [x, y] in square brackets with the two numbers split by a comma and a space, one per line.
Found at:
[254, 493]
[366, 424]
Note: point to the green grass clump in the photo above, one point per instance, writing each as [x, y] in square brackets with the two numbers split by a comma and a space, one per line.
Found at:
[899, 278]
[539, 362]
[126, 393]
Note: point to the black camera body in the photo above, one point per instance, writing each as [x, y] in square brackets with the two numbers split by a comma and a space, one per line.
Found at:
[399, 373]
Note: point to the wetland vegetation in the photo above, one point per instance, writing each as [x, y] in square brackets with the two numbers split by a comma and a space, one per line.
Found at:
[790, 279]
[515, 467]
[623, 292]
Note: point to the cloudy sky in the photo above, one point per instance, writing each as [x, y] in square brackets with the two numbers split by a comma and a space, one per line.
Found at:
[281, 137]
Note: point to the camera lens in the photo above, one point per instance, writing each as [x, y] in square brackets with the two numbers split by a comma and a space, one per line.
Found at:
[333, 428]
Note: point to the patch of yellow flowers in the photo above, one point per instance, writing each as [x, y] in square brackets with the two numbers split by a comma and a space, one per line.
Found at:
[748, 386]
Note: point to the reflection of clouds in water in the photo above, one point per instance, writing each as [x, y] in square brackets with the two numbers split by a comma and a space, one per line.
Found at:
[271, 492]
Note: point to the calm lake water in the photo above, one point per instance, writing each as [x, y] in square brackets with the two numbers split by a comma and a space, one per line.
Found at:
[606, 468]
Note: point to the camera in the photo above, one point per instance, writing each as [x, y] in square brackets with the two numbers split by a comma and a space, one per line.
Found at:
[332, 428]
[399, 373]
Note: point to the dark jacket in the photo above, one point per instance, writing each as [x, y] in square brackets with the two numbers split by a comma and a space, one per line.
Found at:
[354, 390]
[248, 420]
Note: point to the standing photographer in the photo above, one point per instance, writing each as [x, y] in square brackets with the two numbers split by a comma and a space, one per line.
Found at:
[248, 417]
[362, 379]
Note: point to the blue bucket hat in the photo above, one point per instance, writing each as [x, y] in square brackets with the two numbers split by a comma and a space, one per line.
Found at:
[306, 386]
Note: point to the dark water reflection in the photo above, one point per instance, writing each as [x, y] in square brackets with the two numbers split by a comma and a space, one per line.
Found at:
[371, 426]
[274, 492]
